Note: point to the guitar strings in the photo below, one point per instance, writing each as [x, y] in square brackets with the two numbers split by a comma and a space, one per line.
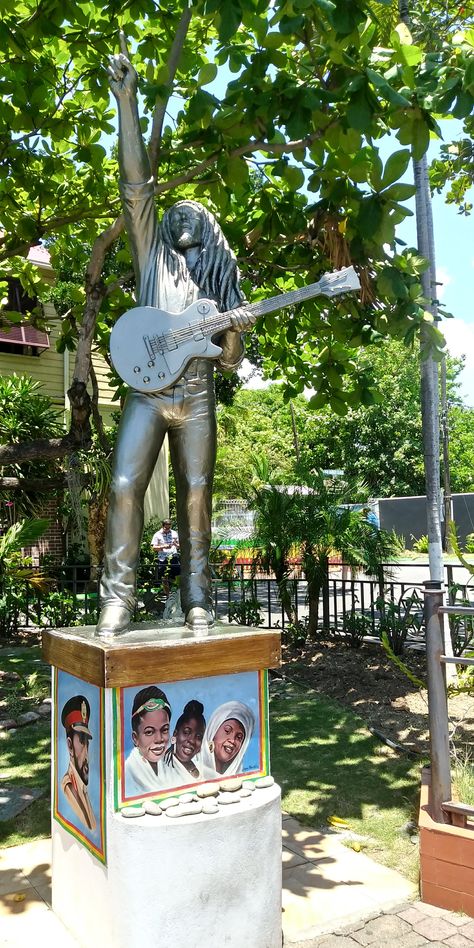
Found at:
[223, 320]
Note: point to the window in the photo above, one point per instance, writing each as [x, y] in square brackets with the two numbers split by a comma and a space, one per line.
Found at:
[22, 339]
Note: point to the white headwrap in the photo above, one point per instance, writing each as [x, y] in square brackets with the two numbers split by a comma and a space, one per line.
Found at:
[230, 710]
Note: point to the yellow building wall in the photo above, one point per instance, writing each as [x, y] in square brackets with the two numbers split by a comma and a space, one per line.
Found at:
[46, 368]
[54, 370]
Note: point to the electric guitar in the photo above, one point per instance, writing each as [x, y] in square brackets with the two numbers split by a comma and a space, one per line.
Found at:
[151, 349]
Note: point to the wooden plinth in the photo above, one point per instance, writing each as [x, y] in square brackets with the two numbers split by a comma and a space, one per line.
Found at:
[162, 652]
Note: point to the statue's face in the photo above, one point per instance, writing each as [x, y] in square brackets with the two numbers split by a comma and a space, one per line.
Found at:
[185, 223]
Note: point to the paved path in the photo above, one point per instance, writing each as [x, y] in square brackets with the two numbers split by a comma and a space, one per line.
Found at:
[333, 897]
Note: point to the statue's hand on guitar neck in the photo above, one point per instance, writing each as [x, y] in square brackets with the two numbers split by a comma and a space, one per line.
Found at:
[241, 319]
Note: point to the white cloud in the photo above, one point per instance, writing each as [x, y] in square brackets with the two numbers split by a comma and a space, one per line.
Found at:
[459, 337]
[443, 278]
[252, 378]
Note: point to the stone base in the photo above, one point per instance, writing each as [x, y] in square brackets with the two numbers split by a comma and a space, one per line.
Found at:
[197, 882]
[142, 881]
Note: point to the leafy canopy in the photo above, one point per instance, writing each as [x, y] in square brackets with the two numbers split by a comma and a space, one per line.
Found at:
[273, 117]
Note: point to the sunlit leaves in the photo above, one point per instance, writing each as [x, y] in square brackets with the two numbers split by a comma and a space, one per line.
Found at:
[310, 72]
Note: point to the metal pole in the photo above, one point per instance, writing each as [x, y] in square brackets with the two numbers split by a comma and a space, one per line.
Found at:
[437, 701]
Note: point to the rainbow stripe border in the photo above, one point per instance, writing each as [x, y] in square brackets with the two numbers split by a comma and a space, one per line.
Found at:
[121, 800]
[100, 852]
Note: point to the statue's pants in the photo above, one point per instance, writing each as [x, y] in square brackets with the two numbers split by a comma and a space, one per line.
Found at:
[186, 413]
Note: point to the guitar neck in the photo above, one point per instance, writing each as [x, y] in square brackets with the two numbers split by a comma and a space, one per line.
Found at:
[331, 284]
[223, 320]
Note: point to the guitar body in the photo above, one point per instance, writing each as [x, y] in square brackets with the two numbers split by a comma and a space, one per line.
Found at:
[151, 349]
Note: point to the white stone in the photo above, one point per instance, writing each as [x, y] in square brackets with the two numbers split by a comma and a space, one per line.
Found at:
[187, 798]
[152, 808]
[130, 812]
[210, 806]
[245, 792]
[248, 785]
[226, 798]
[185, 809]
[262, 782]
[230, 786]
[170, 801]
[207, 790]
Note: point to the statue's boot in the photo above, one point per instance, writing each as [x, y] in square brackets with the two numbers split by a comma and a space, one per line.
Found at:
[199, 620]
[114, 619]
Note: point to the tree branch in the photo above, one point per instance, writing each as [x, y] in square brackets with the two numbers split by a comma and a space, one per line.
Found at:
[99, 425]
[277, 148]
[161, 105]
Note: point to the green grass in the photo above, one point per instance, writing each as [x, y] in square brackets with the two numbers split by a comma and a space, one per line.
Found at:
[25, 755]
[328, 764]
[463, 779]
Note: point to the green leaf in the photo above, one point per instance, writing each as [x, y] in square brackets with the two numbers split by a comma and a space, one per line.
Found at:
[369, 217]
[207, 74]
[359, 113]
[229, 19]
[391, 284]
[411, 55]
[399, 192]
[294, 177]
[420, 138]
[395, 167]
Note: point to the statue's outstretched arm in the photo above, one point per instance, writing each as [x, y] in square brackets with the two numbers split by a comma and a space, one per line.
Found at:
[133, 159]
[137, 188]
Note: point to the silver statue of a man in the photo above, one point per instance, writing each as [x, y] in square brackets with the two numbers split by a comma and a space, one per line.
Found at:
[184, 258]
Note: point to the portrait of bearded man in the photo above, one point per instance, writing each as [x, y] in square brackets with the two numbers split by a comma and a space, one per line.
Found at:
[74, 785]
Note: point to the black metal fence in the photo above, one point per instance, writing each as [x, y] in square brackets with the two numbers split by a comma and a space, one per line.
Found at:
[73, 598]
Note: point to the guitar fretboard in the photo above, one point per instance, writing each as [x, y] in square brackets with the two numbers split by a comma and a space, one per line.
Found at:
[331, 284]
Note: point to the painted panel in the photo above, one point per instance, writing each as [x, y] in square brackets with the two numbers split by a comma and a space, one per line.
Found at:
[169, 738]
[79, 755]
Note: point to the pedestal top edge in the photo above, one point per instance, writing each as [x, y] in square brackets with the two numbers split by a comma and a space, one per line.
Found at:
[157, 635]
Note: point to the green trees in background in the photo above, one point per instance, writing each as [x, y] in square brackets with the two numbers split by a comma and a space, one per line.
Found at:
[378, 444]
[298, 96]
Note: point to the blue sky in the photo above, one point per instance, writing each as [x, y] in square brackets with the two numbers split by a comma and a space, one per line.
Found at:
[454, 247]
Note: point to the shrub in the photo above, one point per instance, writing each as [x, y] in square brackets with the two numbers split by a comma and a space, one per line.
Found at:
[400, 619]
[461, 627]
[246, 612]
[421, 544]
[469, 544]
[355, 627]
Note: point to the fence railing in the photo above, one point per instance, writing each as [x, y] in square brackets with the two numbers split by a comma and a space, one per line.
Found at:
[73, 596]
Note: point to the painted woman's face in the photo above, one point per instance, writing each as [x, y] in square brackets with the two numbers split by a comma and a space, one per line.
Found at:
[185, 224]
[227, 741]
[188, 740]
[152, 735]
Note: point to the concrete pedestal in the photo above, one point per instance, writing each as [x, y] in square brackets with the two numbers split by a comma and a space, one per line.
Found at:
[195, 882]
[198, 881]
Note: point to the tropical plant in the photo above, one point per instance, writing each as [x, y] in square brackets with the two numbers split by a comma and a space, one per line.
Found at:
[17, 575]
[399, 619]
[26, 414]
[246, 612]
[420, 544]
[355, 627]
[274, 538]
[327, 522]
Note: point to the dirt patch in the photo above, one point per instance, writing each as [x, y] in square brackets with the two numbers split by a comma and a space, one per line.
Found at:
[366, 681]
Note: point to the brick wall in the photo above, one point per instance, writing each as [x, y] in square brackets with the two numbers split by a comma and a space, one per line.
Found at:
[52, 542]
